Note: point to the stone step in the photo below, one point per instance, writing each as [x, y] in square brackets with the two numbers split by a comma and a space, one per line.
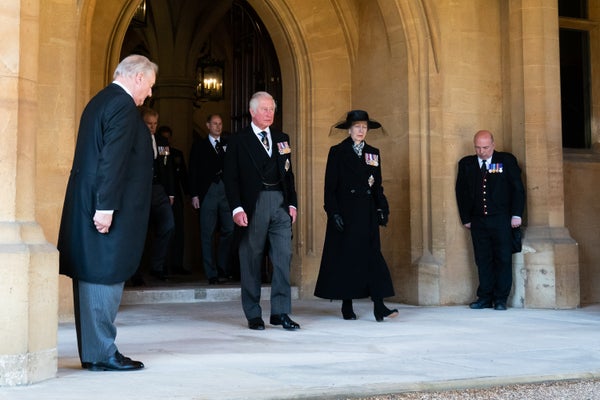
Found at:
[189, 294]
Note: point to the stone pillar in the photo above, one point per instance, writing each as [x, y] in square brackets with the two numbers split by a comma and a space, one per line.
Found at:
[29, 283]
[551, 266]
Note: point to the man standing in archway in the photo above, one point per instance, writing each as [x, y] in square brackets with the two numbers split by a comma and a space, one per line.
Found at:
[105, 213]
[260, 188]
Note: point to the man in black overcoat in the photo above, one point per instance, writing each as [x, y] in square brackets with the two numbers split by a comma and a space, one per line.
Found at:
[105, 213]
[260, 188]
[491, 200]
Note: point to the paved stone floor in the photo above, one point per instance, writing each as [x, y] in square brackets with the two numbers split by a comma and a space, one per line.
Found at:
[204, 350]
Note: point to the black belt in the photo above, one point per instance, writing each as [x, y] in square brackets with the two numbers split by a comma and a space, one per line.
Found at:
[272, 188]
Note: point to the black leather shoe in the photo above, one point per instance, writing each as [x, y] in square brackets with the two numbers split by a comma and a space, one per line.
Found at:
[500, 306]
[285, 321]
[116, 362]
[160, 275]
[479, 304]
[256, 324]
[387, 313]
[213, 281]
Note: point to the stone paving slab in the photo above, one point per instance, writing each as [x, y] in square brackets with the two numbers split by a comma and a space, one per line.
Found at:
[205, 351]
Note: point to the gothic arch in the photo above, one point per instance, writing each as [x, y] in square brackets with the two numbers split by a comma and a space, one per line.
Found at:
[307, 93]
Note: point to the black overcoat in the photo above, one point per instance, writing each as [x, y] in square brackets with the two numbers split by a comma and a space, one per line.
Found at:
[352, 265]
[112, 170]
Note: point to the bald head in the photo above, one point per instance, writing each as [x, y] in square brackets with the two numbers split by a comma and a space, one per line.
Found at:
[484, 144]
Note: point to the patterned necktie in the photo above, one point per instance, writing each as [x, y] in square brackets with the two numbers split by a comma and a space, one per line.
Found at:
[264, 140]
[483, 168]
[218, 147]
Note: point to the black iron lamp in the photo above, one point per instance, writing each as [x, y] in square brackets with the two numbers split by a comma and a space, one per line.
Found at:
[209, 74]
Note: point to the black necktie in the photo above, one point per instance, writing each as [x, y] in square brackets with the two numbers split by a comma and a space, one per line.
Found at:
[218, 147]
[264, 140]
[483, 168]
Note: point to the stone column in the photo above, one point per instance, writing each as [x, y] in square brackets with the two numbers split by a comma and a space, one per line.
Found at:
[29, 283]
[551, 261]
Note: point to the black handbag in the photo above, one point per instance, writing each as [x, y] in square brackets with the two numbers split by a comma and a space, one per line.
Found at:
[517, 240]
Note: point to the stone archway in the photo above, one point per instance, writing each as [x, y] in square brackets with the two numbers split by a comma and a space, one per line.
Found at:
[323, 76]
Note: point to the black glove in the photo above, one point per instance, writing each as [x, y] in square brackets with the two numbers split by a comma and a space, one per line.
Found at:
[382, 218]
[339, 222]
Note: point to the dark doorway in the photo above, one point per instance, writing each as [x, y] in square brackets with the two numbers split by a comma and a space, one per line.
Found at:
[180, 36]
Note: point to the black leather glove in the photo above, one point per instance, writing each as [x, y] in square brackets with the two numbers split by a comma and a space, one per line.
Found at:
[382, 218]
[339, 222]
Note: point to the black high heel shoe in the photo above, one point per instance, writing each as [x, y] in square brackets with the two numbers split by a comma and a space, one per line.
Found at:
[381, 311]
[347, 311]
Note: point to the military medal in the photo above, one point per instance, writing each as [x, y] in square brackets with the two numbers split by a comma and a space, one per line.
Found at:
[372, 159]
[496, 168]
[284, 148]
[163, 151]
[371, 180]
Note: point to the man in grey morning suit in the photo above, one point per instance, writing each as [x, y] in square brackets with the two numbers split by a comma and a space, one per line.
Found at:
[105, 213]
[259, 184]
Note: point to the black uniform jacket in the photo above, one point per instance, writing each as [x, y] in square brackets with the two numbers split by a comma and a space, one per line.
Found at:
[506, 194]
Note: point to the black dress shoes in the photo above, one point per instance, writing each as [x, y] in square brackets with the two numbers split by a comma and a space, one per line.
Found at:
[116, 362]
[256, 324]
[500, 306]
[285, 321]
[386, 313]
[160, 275]
[479, 304]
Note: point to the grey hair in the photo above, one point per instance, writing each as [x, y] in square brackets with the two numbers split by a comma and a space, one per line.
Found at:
[256, 97]
[133, 65]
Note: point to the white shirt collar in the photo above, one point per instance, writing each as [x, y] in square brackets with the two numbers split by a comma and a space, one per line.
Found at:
[257, 130]
[124, 88]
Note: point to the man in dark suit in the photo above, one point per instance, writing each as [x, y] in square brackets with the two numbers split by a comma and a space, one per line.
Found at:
[259, 183]
[162, 222]
[491, 199]
[105, 212]
[207, 159]
[180, 188]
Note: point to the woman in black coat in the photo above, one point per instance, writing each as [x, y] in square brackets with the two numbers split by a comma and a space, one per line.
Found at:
[352, 266]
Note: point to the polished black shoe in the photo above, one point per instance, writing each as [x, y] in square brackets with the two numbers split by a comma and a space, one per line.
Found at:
[160, 275]
[181, 271]
[136, 281]
[285, 321]
[500, 306]
[117, 362]
[256, 324]
[479, 304]
[386, 313]
[213, 281]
